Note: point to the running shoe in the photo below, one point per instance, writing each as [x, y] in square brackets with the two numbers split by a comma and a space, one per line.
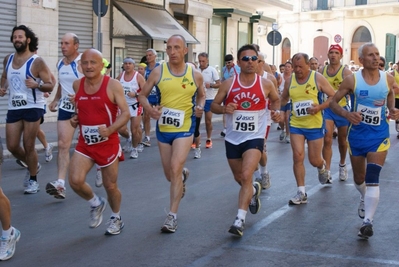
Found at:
[170, 224]
[56, 189]
[299, 198]
[238, 227]
[128, 145]
[49, 152]
[329, 179]
[265, 182]
[32, 188]
[197, 153]
[323, 174]
[96, 214]
[185, 174]
[99, 178]
[282, 135]
[21, 163]
[140, 148]
[7, 246]
[146, 142]
[254, 205]
[115, 226]
[343, 173]
[208, 143]
[134, 154]
[360, 209]
[366, 230]
[287, 139]
[27, 175]
[278, 128]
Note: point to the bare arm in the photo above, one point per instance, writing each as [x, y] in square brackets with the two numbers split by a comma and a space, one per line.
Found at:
[117, 96]
[345, 88]
[285, 96]
[325, 87]
[3, 81]
[155, 112]
[216, 106]
[271, 92]
[41, 70]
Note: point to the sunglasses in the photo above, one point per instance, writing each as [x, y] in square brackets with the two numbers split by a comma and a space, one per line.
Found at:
[382, 65]
[247, 58]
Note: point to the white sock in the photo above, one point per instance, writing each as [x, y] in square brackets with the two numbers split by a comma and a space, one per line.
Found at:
[95, 201]
[254, 190]
[241, 214]
[116, 214]
[302, 189]
[173, 214]
[263, 169]
[371, 200]
[6, 233]
[61, 181]
[362, 189]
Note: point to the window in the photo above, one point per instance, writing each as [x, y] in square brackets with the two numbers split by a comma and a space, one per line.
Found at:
[361, 2]
[243, 34]
[322, 5]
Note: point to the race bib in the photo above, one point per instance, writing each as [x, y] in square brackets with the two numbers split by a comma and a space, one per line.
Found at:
[370, 116]
[66, 105]
[245, 121]
[171, 117]
[91, 134]
[301, 108]
[127, 91]
[19, 100]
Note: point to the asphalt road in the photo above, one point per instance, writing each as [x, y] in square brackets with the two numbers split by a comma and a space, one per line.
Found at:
[320, 233]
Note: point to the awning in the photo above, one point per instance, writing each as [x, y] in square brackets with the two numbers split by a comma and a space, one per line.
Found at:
[154, 23]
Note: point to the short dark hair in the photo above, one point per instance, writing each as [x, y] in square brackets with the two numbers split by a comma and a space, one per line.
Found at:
[383, 59]
[245, 48]
[203, 54]
[228, 57]
[34, 41]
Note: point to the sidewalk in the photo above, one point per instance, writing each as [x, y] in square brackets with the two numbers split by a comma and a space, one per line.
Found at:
[50, 129]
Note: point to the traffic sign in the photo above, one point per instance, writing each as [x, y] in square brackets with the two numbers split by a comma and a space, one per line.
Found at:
[274, 38]
[101, 5]
[337, 38]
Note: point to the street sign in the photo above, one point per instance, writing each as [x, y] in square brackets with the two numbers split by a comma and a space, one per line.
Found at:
[101, 5]
[337, 38]
[274, 38]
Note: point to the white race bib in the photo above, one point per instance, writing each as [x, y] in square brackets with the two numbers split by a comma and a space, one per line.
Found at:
[171, 117]
[91, 134]
[19, 100]
[66, 105]
[301, 108]
[245, 121]
[370, 116]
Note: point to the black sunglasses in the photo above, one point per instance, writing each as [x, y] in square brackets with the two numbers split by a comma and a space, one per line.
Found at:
[247, 58]
[382, 65]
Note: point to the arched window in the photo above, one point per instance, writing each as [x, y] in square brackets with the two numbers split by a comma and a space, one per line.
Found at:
[285, 50]
[362, 35]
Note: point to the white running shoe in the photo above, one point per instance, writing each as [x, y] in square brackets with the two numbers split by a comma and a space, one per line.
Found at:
[265, 182]
[27, 175]
[56, 189]
[170, 224]
[99, 178]
[7, 246]
[32, 188]
[128, 145]
[49, 152]
[146, 141]
[134, 154]
[115, 226]
[140, 148]
[282, 135]
[197, 153]
[96, 213]
[299, 198]
[343, 173]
